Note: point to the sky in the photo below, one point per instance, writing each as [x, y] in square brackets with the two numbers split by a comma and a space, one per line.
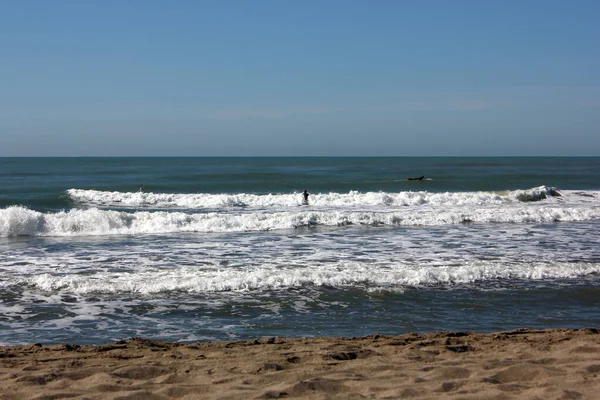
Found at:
[299, 78]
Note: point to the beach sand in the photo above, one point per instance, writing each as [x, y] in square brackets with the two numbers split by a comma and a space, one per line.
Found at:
[519, 364]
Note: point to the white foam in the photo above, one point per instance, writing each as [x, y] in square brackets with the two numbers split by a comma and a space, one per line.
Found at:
[271, 277]
[352, 198]
[276, 212]
[20, 221]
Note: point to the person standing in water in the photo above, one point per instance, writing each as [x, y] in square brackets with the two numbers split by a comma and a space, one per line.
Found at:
[305, 195]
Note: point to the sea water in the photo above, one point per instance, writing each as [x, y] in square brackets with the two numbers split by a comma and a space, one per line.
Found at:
[94, 250]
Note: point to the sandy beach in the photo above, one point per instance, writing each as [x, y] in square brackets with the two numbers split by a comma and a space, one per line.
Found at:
[534, 364]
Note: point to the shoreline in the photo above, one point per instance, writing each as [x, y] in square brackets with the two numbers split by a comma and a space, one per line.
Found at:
[523, 363]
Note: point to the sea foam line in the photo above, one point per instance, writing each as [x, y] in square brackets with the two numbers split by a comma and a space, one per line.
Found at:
[369, 276]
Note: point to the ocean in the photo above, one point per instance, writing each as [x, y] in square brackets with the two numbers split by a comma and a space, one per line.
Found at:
[94, 250]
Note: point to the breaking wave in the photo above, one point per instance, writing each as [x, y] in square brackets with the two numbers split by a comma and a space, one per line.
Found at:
[21, 221]
[118, 213]
[353, 198]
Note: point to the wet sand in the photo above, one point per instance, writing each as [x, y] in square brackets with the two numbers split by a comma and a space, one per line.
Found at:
[520, 364]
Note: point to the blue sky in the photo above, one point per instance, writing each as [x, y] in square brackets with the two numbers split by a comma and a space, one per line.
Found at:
[306, 78]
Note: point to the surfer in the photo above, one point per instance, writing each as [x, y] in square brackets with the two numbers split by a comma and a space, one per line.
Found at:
[305, 195]
[416, 179]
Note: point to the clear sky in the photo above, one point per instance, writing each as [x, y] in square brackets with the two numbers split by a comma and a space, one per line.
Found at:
[299, 77]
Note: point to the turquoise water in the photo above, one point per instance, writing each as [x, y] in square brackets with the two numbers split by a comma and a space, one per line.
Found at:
[98, 249]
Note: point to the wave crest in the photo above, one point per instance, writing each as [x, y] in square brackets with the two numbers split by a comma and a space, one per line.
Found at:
[350, 199]
[20, 221]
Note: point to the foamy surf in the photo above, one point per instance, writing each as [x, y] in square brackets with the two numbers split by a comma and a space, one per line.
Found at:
[222, 248]
[141, 199]
[21, 221]
[275, 277]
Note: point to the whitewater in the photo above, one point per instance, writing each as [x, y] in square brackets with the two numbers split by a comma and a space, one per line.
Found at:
[250, 212]
[94, 250]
